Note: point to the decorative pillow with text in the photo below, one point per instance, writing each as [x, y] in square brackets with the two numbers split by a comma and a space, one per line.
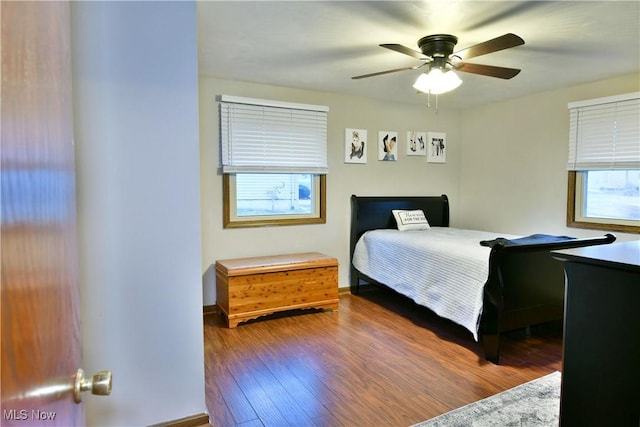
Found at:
[410, 220]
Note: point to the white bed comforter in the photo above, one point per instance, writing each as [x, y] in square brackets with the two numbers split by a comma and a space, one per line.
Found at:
[443, 268]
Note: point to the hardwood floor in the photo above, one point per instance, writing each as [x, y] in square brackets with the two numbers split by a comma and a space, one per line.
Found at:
[379, 361]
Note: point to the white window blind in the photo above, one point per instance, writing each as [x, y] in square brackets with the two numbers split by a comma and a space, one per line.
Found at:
[604, 133]
[262, 136]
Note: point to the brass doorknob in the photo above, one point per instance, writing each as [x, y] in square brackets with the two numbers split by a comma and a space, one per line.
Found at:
[99, 384]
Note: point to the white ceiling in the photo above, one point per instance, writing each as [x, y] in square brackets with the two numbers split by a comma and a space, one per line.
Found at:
[320, 45]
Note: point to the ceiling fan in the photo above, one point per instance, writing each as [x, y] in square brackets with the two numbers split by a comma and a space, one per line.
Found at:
[436, 52]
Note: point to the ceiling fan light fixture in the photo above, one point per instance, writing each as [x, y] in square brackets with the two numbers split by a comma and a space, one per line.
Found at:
[436, 82]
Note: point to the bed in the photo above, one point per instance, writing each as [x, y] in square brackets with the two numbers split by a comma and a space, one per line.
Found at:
[510, 282]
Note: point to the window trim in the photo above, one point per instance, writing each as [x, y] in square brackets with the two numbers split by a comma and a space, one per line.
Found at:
[573, 196]
[228, 222]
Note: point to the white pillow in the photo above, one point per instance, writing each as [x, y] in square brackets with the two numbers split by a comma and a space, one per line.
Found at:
[410, 220]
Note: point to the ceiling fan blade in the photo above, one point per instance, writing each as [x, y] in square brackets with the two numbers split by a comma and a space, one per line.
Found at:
[403, 49]
[505, 41]
[487, 70]
[386, 72]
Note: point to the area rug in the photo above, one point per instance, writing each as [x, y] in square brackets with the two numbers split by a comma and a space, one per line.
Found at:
[536, 403]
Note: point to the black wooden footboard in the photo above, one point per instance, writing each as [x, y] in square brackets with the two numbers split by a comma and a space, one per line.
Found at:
[525, 287]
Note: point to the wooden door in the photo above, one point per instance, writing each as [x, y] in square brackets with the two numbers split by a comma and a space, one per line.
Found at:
[41, 342]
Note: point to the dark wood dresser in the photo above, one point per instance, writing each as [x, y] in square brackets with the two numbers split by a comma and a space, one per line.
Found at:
[601, 356]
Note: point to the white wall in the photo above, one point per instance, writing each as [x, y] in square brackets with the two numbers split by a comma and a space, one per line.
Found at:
[136, 114]
[513, 175]
[408, 176]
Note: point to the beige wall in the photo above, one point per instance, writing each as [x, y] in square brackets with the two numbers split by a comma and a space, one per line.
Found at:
[409, 175]
[505, 169]
[513, 175]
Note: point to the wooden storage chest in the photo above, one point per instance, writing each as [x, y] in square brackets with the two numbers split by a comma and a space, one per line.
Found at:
[248, 288]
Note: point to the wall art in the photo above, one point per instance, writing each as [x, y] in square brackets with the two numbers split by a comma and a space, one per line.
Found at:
[355, 145]
[436, 147]
[387, 145]
[416, 143]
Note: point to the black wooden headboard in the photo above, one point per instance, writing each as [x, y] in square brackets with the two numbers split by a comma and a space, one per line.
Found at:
[369, 213]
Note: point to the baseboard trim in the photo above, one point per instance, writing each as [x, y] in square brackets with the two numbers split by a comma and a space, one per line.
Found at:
[210, 309]
[197, 420]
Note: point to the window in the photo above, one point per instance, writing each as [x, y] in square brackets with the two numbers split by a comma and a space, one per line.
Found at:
[274, 162]
[604, 164]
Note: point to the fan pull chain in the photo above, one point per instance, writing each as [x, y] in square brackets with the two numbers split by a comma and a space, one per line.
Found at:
[429, 101]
